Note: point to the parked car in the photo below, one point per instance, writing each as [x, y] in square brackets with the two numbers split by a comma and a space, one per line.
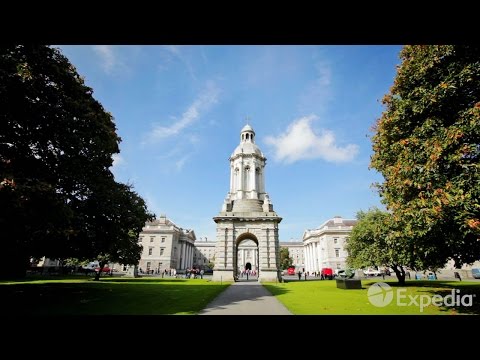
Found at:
[476, 273]
[372, 272]
[291, 270]
[327, 273]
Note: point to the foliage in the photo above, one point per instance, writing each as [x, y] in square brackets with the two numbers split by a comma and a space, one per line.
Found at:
[426, 146]
[369, 244]
[285, 259]
[56, 147]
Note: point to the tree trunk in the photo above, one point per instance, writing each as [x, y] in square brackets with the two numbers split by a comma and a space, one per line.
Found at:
[97, 275]
[400, 272]
[401, 278]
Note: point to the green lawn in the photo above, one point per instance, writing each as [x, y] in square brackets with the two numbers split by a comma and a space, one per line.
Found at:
[323, 297]
[110, 296]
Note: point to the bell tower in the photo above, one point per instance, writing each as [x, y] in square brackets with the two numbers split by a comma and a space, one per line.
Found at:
[247, 214]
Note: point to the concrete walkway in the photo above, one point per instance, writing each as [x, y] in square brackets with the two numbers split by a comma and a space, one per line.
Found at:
[245, 298]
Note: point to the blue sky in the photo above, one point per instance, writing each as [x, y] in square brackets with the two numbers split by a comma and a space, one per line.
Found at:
[179, 111]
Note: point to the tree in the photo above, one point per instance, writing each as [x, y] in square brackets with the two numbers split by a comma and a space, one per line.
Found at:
[370, 244]
[109, 223]
[427, 145]
[285, 259]
[56, 147]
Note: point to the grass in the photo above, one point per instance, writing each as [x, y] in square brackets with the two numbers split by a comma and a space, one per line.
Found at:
[323, 297]
[109, 296]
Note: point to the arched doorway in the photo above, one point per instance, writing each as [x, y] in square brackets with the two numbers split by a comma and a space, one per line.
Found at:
[246, 257]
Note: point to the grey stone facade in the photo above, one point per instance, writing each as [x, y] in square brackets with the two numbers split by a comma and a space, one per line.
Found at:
[166, 246]
[247, 214]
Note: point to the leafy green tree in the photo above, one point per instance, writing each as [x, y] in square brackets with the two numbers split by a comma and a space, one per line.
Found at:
[109, 223]
[370, 244]
[285, 259]
[427, 145]
[56, 147]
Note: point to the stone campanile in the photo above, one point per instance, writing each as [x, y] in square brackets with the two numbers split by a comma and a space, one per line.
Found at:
[247, 214]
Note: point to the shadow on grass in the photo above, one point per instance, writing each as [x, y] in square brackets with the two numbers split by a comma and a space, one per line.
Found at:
[107, 298]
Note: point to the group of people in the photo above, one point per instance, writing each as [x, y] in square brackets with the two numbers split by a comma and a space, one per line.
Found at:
[189, 273]
[194, 272]
[248, 273]
[307, 273]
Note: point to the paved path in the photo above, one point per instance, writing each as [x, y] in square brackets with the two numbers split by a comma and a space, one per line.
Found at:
[245, 298]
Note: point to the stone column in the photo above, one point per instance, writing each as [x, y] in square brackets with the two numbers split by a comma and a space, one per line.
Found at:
[223, 270]
[306, 256]
[180, 253]
[232, 176]
[312, 252]
[184, 255]
[309, 247]
[310, 262]
[240, 175]
[191, 255]
[259, 188]
[253, 182]
[318, 256]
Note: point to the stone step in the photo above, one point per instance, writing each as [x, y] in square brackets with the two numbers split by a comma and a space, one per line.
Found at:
[247, 205]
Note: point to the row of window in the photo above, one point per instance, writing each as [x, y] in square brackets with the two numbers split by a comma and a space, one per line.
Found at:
[152, 238]
[150, 251]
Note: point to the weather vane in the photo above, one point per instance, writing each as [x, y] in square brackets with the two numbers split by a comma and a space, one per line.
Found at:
[247, 119]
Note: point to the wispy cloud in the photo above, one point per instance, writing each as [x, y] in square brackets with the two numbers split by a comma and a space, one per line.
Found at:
[300, 142]
[318, 92]
[176, 51]
[201, 104]
[110, 61]
[180, 162]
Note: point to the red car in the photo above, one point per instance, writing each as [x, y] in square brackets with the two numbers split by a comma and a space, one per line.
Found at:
[105, 269]
[327, 273]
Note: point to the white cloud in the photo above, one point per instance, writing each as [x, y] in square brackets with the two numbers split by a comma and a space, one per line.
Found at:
[201, 104]
[110, 61]
[300, 142]
[117, 160]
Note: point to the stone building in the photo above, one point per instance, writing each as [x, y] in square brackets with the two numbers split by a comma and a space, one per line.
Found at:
[166, 246]
[204, 254]
[247, 214]
[324, 246]
[295, 251]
